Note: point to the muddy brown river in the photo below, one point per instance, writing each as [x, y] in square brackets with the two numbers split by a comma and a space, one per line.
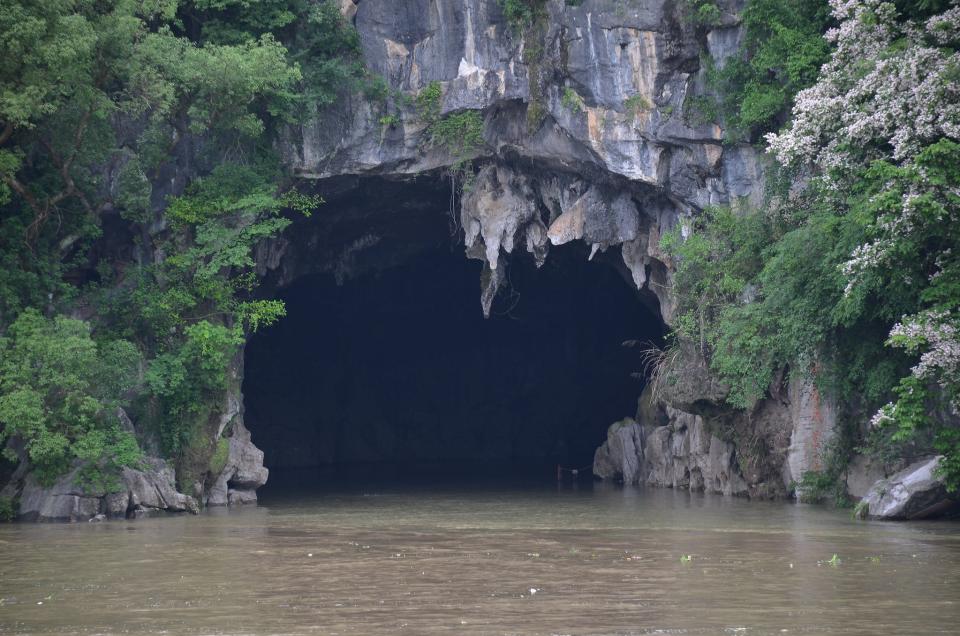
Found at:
[502, 559]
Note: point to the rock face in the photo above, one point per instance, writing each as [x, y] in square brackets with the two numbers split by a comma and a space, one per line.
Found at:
[916, 492]
[683, 454]
[63, 501]
[706, 445]
[680, 454]
[620, 458]
[142, 492]
[587, 136]
[633, 67]
[242, 474]
[814, 424]
[586, 132]
[776, 442]
[151, 491]
[862, 474]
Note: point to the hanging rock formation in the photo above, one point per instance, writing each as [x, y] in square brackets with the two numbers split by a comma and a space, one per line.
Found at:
[617, 165]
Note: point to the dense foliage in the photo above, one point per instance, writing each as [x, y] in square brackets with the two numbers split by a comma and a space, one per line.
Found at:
[59, 391]
[191, 309]
[850, 272]
[148, 123]
[782, 51]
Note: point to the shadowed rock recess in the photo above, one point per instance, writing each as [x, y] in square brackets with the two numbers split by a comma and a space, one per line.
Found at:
[399, 365]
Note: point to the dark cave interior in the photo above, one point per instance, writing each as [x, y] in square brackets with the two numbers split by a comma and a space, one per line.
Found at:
[399, 367]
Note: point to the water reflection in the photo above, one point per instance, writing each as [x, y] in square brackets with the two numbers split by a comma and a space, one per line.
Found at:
[498, 559]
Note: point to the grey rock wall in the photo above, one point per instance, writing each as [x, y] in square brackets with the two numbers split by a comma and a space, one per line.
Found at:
[679, 454]
[621, 457]
[683, 454]
[615, 170]
[242, 474]
[862, 474]
[145, 491]
[243, 471]
[814, 427]
[588, 136]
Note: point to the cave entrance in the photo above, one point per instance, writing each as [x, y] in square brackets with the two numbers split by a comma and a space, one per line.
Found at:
[398, 368]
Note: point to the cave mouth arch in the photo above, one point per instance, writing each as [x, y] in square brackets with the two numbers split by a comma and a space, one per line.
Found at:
[398, 367]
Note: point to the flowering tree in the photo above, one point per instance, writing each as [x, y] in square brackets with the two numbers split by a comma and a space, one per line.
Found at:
[890, 88]
[881, 130]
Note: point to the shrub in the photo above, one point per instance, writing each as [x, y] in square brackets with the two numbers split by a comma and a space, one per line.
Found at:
[460, 133]
[8, 509]
[701, 12]
[571, 100]
[428, 102]
[520, 14]
[637, 103]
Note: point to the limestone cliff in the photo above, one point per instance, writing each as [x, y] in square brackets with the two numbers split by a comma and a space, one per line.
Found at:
[587, 136]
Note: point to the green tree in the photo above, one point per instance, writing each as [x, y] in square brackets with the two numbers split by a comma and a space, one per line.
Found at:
[59, 393]
[190, 311]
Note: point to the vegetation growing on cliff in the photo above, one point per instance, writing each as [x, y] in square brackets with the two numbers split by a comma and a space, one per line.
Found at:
[571, 100]
[782, 51]
[150, 124]
[459, 133]
[850, 271]
[520, 14]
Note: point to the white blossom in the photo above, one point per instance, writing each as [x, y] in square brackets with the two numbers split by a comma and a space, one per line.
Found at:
[873, 94]
[935, 333]
[884, 416]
